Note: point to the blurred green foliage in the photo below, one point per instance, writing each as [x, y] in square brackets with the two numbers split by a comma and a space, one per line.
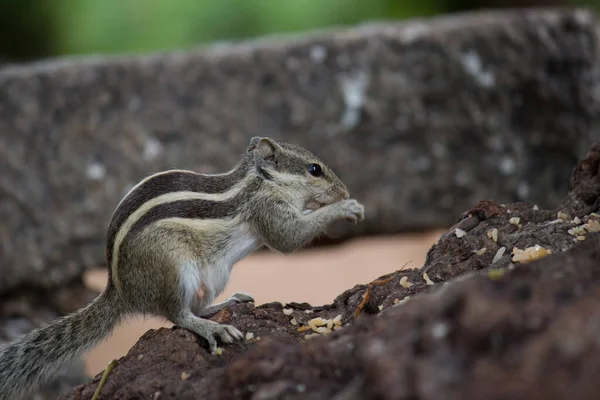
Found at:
[150, 25]
[32, 29]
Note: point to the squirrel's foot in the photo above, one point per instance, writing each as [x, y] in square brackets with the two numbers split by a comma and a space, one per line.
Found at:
[227, 334]
[209, 330]
[241, 297]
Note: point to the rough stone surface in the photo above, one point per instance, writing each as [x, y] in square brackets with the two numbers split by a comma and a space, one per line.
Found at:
[421, 119]
[478, 330]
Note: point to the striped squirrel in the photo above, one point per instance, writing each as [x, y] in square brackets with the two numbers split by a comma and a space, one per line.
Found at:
[172, 242]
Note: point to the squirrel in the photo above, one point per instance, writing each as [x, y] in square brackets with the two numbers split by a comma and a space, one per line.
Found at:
[172, 242]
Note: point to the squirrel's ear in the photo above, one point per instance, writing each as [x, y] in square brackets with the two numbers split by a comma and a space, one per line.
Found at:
[264, 151]
[253, 142]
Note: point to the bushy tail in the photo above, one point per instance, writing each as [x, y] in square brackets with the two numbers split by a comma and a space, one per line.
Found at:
[37, 356]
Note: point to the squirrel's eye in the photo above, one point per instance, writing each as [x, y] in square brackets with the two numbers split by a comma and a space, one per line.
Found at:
[315, 170]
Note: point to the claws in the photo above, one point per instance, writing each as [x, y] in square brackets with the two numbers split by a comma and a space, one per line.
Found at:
[212, 343]
[353, 211]
[209, 330]
[234, 332]
[242, 297]
[227, 334]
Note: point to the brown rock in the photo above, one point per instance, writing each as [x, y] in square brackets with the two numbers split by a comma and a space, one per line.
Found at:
[421, 119]
[519, 330]
[585, 185]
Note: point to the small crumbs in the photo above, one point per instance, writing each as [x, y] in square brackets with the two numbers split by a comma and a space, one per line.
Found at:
[288, 311]
[480, 252]
[321, 325]
[293, 321]
[576, 220]
[536, 208]
[514, 220]
[249, 336]
[140, 356]
[317, 322]
[396, 300]
[459, 233]
[311, 335]
[499, 254]
[330, 324]
[157, 395]
[185, 376]
[496, 273]
[581, 238]
[493, 234]
[380, 307]
[562, 215]
[578, 231]
[593, 226]
[308, 311]
[405, 283]
[323, 330]
[219, 351]
[529, 253]
[427, 280]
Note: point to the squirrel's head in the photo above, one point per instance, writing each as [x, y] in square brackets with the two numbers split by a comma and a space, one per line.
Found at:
[300, 176]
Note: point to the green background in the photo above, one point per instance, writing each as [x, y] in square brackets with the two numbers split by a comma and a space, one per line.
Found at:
[33, 29]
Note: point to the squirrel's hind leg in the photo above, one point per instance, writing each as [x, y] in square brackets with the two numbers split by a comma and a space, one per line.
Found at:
[193, 302]
[207, 329]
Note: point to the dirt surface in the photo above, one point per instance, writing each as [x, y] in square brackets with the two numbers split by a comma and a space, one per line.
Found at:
[519, 330]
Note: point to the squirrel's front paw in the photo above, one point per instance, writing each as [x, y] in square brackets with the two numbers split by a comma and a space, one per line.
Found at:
[352, 210]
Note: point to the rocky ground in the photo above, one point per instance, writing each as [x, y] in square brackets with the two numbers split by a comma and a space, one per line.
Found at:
[475, 322]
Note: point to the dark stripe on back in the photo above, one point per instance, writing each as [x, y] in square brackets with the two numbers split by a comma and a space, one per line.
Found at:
[168, 183]
[194, 209]
[189, 209]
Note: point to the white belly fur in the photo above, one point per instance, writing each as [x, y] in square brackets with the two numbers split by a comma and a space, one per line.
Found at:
[214, 276]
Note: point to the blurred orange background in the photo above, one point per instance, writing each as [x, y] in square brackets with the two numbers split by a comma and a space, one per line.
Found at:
[316, 276]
